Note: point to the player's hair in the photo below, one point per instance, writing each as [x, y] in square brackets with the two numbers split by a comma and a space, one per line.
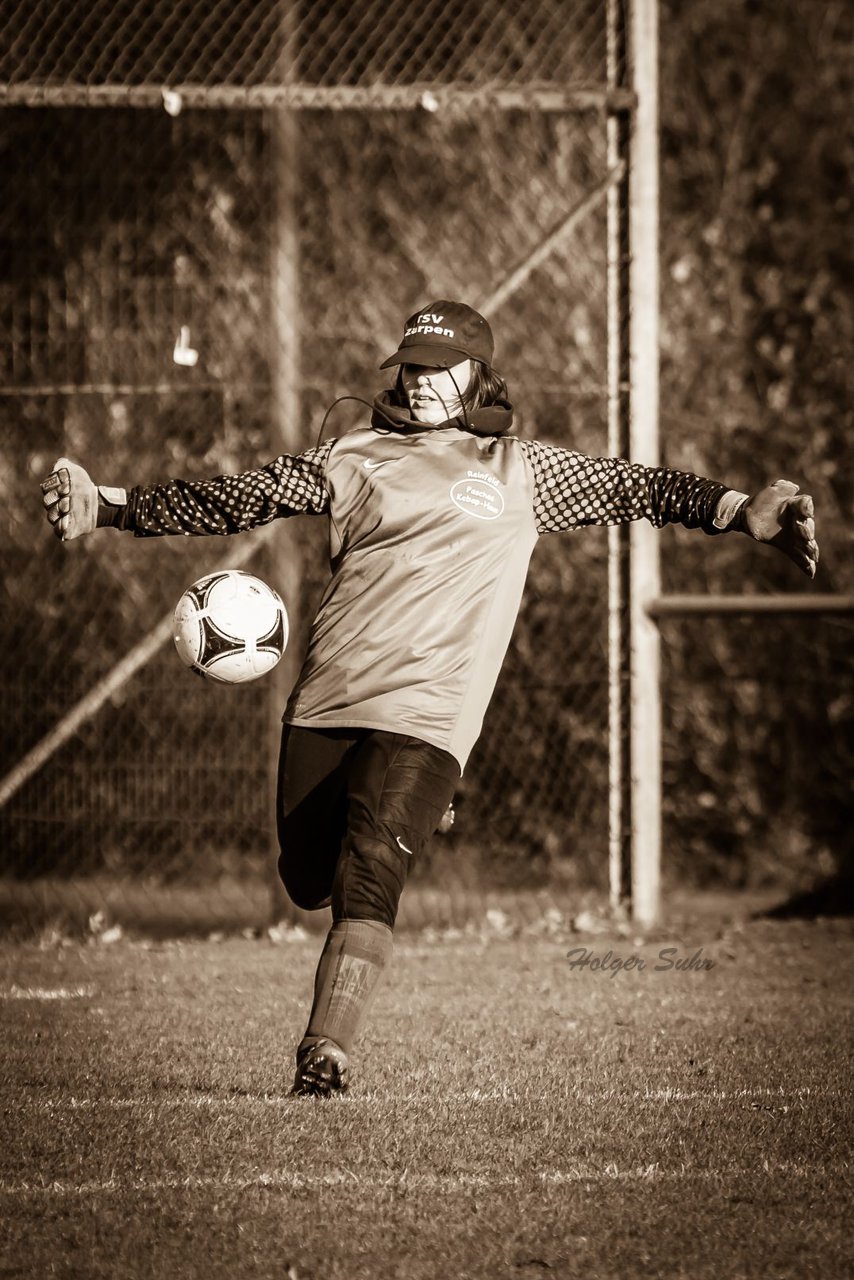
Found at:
[486, 387]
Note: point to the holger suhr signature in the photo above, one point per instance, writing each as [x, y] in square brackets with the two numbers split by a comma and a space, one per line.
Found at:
[611, 963]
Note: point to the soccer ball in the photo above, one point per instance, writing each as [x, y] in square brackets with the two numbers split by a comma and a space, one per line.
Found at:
[230, 626]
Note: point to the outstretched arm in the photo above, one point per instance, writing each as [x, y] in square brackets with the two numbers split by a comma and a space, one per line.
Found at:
[572, 490]
[289, 485]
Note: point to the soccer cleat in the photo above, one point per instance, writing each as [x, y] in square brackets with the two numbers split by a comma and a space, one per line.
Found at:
[322, 1069]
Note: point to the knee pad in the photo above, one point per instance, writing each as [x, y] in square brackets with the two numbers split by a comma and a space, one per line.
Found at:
[370, 878]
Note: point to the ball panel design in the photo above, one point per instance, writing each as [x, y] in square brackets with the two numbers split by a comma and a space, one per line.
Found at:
[230, 627]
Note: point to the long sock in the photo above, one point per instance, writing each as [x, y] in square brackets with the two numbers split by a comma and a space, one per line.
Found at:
[353, 958]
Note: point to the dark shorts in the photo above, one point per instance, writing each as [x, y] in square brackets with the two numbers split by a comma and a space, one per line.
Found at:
[355, 808]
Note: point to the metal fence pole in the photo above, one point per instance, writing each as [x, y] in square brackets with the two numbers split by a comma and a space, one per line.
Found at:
[645, 745]
[618, 309]
[288, 432]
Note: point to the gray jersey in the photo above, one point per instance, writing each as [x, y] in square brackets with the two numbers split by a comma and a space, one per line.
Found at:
[431, 535]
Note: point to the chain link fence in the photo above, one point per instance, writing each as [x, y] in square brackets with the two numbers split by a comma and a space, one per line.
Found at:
[286, 181]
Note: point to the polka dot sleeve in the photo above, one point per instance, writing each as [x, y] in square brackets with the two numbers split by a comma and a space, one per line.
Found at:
[287, 486]
[572, 490]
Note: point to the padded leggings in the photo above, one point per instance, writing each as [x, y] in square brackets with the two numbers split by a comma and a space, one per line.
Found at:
[355, 807]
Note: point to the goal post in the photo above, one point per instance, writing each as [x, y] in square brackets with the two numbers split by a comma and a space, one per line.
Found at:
[634, 712]
[644, 576]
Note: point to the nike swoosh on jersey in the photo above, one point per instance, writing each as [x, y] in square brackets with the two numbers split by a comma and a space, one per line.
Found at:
[372, 466]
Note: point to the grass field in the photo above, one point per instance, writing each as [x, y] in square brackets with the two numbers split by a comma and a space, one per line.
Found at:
[510, 1116]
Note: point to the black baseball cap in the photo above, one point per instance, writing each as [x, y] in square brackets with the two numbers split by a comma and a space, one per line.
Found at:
[442, 334]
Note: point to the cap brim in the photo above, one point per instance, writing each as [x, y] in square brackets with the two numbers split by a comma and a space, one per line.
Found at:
[434, 357]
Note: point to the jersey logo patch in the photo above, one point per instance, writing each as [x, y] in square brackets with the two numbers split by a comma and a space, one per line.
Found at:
[372, 466]
[480, 498]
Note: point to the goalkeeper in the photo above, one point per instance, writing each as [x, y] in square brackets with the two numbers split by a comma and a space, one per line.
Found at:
[434, 508]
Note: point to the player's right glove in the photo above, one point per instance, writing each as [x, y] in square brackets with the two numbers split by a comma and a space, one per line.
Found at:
[74, 504]
[777, 516]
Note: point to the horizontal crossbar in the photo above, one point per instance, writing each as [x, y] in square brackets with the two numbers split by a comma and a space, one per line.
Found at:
[682, 605]
[308, 97]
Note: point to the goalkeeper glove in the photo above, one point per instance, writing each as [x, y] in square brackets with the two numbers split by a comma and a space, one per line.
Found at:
[74, 504]
[777, 516]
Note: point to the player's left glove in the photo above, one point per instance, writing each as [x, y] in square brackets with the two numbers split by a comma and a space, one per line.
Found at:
[778, 514]
[74, 504]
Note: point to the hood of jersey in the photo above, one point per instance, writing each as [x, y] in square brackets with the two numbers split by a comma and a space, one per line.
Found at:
[493, 420]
